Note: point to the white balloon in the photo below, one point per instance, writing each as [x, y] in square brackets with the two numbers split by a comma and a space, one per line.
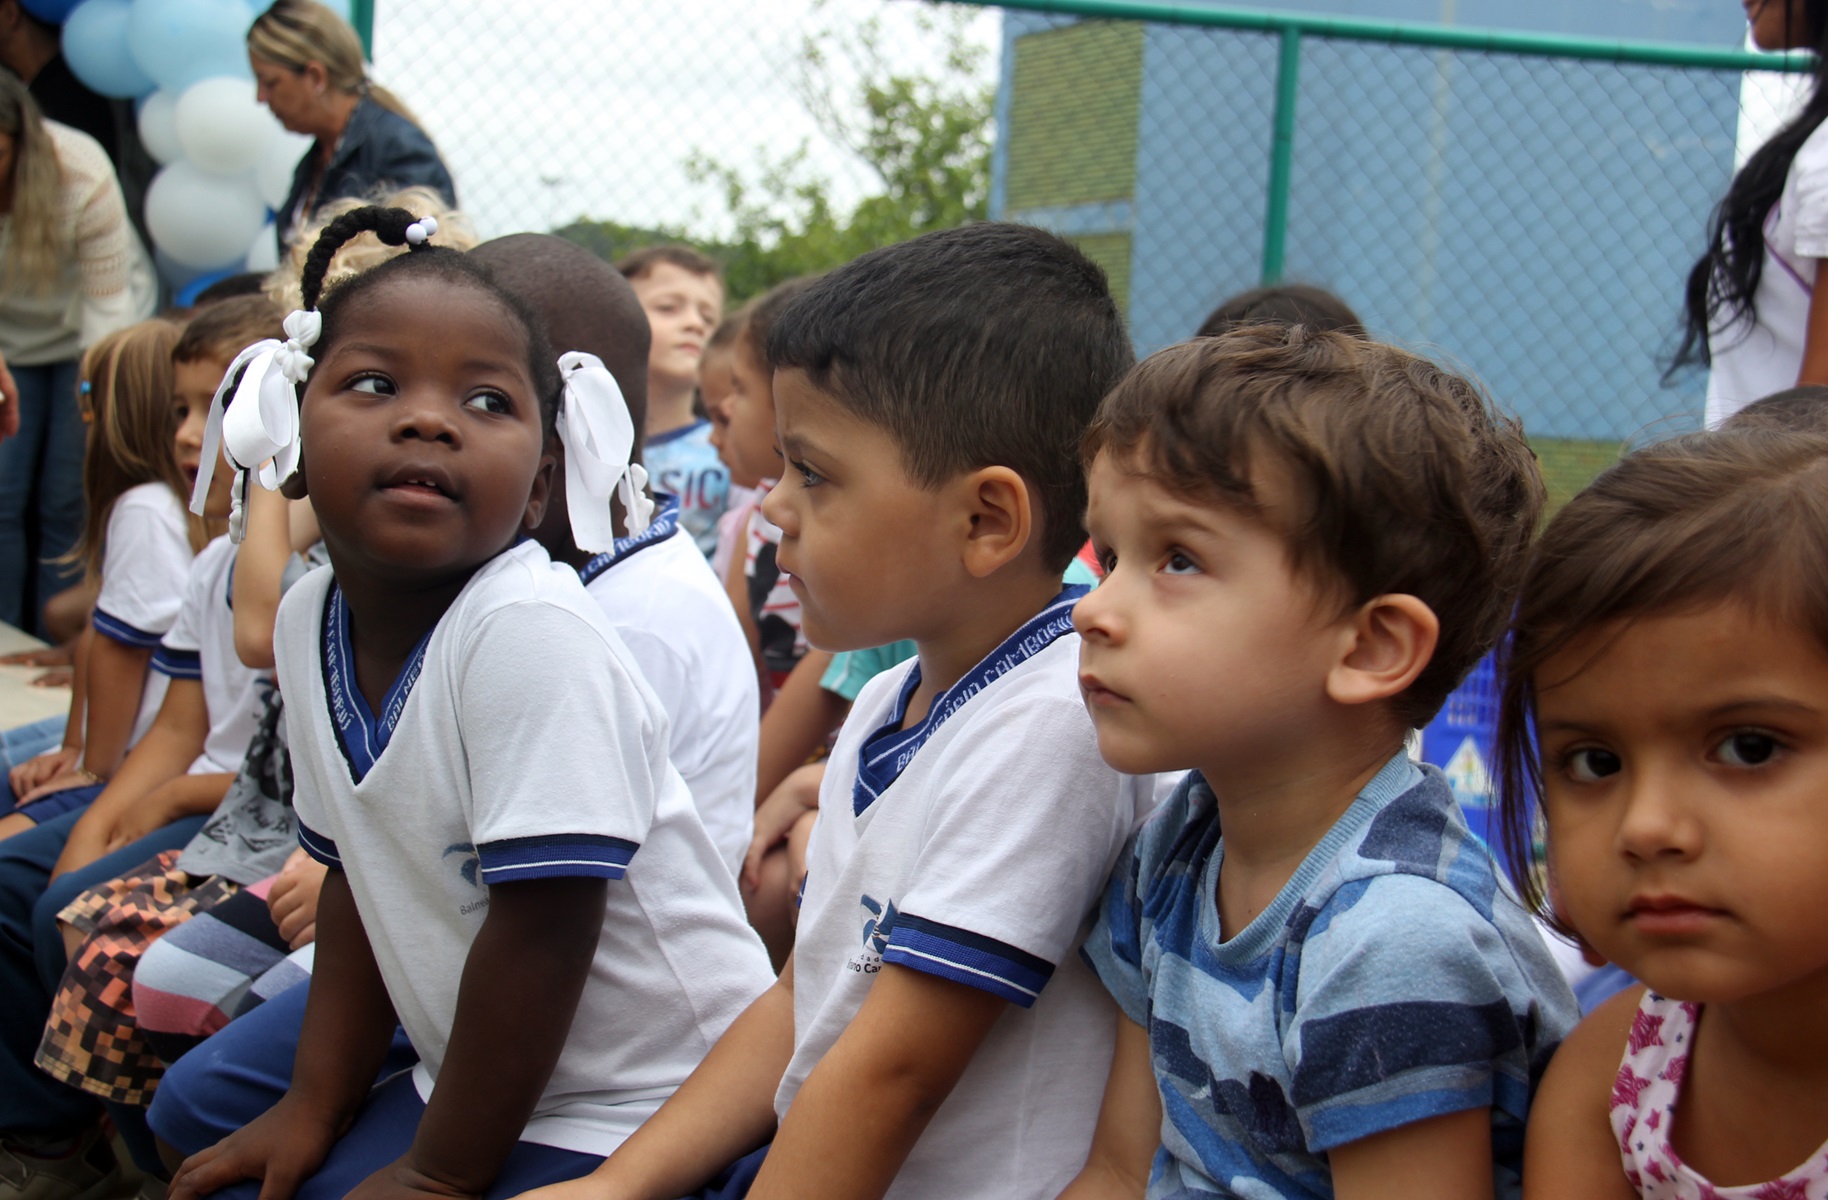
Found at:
[273, 173]
[221, 127]
[159, 127]
[263, 255]
[201, 219]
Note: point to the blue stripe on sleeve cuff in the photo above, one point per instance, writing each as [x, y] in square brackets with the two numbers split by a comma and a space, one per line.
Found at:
[319, 847]
[556, 855]
[179, 664]
[968, 958]
[115, 629]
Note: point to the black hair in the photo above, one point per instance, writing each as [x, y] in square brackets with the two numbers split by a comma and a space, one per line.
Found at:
[1724, 280]
[1284, 304]
[449, 266]
[988, 345]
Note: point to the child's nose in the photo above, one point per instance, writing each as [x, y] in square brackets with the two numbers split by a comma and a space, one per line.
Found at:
[426, 420]
[1659, 822]
[1097, 615]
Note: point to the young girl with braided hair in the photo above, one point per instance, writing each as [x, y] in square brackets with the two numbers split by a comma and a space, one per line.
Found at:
[517, 874]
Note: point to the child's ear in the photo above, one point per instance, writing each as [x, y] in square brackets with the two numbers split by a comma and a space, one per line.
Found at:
[541, 494]
[1387, 642]
[1001, 519]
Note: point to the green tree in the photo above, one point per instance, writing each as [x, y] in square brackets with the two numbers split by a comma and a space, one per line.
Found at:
[925, 138]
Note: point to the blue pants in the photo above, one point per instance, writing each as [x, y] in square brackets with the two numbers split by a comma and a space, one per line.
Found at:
[246, 1067]
[53, 804]
[32, 962]
[41, 493]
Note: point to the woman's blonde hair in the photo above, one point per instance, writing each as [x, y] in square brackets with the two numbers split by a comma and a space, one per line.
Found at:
[364, 251]
[132, 433]
[295, 33]
[32, 255]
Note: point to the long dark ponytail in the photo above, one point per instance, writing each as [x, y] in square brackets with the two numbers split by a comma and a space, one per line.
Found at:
[1724, 280]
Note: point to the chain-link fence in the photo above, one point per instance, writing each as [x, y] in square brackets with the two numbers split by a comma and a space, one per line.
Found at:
[1525, 205]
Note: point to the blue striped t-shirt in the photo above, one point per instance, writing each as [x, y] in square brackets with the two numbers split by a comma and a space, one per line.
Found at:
[1393, 979]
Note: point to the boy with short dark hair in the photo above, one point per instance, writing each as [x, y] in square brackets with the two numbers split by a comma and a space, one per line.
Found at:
[1310, 539]
[682, 292]
[933, 1034]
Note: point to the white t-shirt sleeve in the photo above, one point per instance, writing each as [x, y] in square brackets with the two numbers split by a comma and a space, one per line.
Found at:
[1020, 837]
[144, 566]
[555, 730]
[1809, 186]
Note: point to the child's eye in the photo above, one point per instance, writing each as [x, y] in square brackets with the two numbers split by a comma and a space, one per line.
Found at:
[493, 402]
[1178, 563]
[1592, 764]
[1107, 558]
[374, 385]
[808, 476]
[1747, 748]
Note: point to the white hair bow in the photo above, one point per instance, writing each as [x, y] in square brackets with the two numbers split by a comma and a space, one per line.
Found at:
[599, 436]
[259, 430]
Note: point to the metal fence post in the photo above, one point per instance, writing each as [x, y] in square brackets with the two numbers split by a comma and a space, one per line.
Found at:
[361, 15]
[1282, 155]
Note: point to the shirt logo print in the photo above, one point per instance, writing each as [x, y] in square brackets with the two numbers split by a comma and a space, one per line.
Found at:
[470, 867]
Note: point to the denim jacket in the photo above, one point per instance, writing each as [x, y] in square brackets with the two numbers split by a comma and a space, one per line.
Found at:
[379, 150]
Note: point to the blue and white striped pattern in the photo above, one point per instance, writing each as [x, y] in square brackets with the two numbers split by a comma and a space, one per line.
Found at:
[556, 855]
[361, 734]
[663, 526]
[179, 664]
[887, 752]
[111, 626]
[319, 847]
[968, 958]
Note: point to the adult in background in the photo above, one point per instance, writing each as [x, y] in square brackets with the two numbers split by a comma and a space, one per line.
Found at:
[71, 272]
[308, 64]
[1750, 310]
[31, 49]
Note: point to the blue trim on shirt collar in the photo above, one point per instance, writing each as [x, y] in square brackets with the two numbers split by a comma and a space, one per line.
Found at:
[664, 525]
[886, 753]
[359, 731]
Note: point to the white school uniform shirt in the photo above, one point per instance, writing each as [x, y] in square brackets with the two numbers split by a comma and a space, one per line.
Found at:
[146, 560]
[201, 645]
[520, 742]
[660, 595]
[1751, 361]
[980, 862]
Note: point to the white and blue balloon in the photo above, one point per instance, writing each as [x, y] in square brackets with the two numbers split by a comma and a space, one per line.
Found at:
[227, 164]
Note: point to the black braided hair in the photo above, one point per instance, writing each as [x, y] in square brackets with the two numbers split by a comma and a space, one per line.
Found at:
[453, 267]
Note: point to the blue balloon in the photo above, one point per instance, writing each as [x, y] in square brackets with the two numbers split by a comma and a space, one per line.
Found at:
[186, 296]
[95, 44]
[178, 42]
[52, 12]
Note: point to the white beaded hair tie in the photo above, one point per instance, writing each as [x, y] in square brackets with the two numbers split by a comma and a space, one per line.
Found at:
[419, 231]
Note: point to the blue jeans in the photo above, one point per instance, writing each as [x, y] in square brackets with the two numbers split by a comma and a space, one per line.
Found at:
[32, 962]
[41, 494]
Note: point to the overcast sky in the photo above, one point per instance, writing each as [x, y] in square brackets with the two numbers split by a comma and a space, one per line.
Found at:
[551, 109]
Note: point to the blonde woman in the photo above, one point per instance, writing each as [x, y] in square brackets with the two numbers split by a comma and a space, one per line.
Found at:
[71, 272]
[309, 71]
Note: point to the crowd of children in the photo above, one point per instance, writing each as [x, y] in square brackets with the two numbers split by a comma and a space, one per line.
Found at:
[540, 734]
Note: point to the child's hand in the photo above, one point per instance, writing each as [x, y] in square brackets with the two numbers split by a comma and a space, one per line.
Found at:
[63, 781]
[56, 677]
[44, 656]
[778, 814]
[36, 772]
[400, 1180]
[282, 1148]
[292, 900]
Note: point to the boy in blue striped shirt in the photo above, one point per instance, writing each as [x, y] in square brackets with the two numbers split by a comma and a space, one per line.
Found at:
[1310, 538]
